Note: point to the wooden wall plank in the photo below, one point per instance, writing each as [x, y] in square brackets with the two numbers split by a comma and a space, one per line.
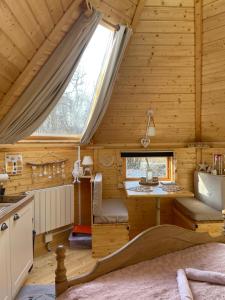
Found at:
[167, 13]
[162, 39]
[25, 182]
[173, 3]
[165, 26]
[213, 79]
[198, 69]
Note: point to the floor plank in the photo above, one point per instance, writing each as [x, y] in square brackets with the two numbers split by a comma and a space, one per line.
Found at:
[78, 261]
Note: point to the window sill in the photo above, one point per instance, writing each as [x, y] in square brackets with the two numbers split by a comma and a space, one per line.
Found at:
[51, 140]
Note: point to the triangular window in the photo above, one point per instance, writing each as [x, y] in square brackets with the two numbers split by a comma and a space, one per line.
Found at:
[73, 111]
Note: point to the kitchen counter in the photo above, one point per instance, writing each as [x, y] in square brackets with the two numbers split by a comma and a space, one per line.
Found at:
[10, 207]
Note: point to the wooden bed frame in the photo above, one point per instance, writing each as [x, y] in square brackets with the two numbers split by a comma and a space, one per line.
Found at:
[151, 243]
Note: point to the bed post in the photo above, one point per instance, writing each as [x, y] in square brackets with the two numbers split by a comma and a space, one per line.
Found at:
[61, 282]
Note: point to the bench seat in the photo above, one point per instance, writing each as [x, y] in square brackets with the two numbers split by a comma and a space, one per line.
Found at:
[197, 210]
[112, 211]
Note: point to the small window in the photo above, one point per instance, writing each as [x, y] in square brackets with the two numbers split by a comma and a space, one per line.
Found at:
[136, 166]
[73, 111]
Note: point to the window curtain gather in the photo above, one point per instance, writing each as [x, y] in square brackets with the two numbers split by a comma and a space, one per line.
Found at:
[121, 40]
[44, 92]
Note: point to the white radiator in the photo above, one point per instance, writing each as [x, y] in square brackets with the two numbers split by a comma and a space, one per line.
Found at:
[53, 208]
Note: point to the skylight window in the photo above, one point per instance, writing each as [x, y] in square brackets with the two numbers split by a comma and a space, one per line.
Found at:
[72, 113]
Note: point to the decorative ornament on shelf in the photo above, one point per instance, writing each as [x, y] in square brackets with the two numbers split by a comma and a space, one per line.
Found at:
[13, 163]
[203, 167]
[150, 129]
[3, 178]
[87, 162]
[106, 159]
[49, 166]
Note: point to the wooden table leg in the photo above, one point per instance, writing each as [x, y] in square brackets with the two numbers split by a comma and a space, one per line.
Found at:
[157, 211]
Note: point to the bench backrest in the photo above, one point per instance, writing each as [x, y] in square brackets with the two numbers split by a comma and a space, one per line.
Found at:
[97, 195]
[210, 189]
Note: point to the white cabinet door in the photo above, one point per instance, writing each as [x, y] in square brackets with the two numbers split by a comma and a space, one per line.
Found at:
[21, 246]
[5, 280]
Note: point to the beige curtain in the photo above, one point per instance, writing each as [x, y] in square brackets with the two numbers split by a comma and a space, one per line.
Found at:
[120, 43]
[43, 93]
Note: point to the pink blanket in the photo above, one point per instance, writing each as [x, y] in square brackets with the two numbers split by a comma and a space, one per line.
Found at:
[156, 279]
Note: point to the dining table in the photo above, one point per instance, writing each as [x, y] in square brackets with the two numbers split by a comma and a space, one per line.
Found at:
[134, 190]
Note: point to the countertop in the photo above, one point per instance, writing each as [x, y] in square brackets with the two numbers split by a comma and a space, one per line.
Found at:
[14, 207]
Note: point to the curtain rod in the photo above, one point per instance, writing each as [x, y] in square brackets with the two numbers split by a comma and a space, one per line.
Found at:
[87, 5]
[116, 27]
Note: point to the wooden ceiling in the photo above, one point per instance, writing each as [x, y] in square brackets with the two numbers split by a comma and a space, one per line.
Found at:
[29, 32]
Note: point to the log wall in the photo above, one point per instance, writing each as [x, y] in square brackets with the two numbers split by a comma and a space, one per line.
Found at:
[213, 104]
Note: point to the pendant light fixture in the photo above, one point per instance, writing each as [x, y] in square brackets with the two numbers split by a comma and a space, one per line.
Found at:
[150, 129]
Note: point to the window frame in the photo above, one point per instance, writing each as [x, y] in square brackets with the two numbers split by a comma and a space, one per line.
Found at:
[76, 138]
[170, 170]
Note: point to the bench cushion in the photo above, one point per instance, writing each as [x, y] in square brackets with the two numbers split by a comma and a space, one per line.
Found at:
[113, 211]
[197, 210]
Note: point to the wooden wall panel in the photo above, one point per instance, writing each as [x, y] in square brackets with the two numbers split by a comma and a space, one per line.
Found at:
[24, 182]
[213, 79]
[113, 175]
[157, 72]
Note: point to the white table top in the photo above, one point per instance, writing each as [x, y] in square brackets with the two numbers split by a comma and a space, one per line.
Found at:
[156, 192]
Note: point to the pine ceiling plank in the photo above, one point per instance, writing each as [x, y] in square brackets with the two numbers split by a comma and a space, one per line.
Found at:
[4, 84]
[134, 1]
[11, 52]
[41, 55]
[214, 22]
[110, 14]
[125, 7]
[138, 11]
[14, 31]
[213, 9]
[7, 69]
[66, 4]
[42, 15]
[55, 9]
[25, 17]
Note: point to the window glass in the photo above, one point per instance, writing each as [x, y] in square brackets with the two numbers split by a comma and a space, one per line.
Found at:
[136, 166]
[71, 114]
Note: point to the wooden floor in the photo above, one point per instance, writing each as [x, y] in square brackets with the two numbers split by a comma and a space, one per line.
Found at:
[77, 262]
